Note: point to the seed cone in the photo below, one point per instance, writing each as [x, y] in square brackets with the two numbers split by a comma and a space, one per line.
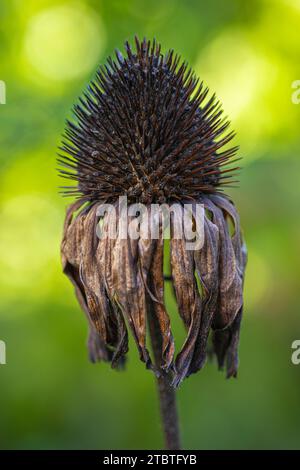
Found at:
[146, 129]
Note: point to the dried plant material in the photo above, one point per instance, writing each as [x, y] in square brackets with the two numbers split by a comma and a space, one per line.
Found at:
[147, 130]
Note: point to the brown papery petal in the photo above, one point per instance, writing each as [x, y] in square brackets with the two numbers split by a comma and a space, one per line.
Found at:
[105, 257]
[226, 341]
[97, 347]
[89, 276]
[187, 295]
[226, 344]
[151, 262]
[71, 252]
[115, 324]
[230, 287]
[238, 244]
[207, 264]
[129, 290]
[72, 235]
[182, 268]
[232, 361]
[107, 318]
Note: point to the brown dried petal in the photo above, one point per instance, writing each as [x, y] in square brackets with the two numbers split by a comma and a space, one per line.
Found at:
[78, 253]
[182, 269]
[207, 264]
[70, 252]
[238, 244]
[226, 341]
[151, 262]
[128, 290]
[226, 344]
[187, 295]
[88, 271]
[230, 287]
[72, 235]
[96, 346]
[117, 335]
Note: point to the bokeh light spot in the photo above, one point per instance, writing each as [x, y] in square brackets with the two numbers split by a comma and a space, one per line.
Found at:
[64, 42]
[235, 71]
[243, 78]
[29, 243]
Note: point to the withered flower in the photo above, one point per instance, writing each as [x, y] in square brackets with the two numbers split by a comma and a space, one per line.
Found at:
[147, 129]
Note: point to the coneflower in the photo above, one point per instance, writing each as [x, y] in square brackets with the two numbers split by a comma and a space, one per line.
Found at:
[148, 130]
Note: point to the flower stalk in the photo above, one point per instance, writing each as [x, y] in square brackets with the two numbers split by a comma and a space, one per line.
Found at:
[166, 393]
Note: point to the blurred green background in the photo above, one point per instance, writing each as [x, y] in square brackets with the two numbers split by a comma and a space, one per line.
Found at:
[51, 397]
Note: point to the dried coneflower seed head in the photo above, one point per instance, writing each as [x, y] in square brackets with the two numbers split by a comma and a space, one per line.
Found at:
[146, 129]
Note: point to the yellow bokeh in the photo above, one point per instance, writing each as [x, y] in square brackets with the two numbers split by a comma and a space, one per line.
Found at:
[64, 42]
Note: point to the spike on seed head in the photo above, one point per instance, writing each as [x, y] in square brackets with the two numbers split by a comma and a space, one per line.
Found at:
[146, 129]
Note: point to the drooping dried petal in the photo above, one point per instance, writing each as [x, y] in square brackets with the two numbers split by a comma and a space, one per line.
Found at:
[95, 297]
[226, 344]
[107, 320]
[187, 294]
[128, 290]
[72, 235]
[207, 266]
[230, 286]
[226, 336]
[71, 259]
[237, 240]
[115, 324]
[151, 252]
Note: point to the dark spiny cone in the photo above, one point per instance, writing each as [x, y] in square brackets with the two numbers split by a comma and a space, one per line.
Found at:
[146, 129]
